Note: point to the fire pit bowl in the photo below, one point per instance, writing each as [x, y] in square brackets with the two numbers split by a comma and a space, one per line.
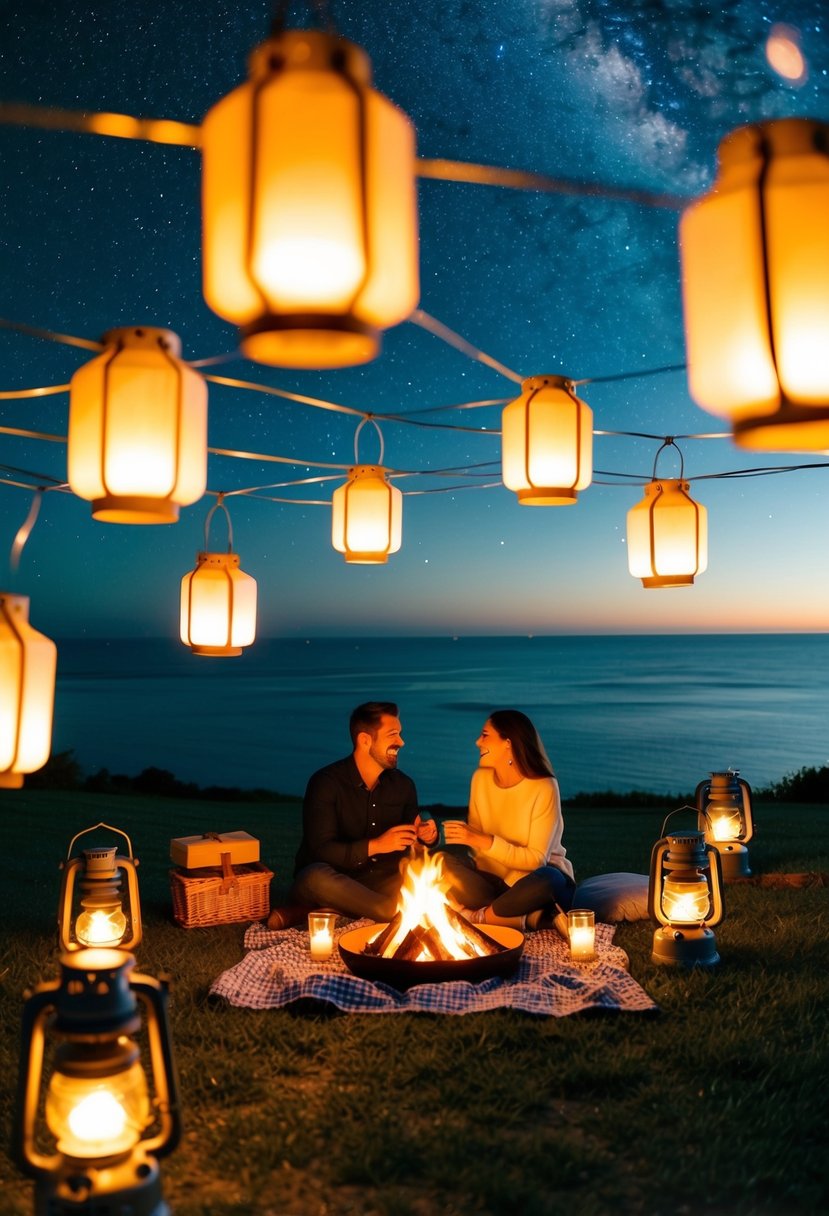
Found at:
[402, 974]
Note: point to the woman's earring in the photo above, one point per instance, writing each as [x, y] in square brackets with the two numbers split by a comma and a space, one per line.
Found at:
[509, 761]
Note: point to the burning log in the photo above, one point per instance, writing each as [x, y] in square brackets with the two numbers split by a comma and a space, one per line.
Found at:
[488, 945]
[379, 943]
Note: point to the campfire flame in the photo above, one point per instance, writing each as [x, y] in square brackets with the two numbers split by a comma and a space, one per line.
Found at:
[426, 927]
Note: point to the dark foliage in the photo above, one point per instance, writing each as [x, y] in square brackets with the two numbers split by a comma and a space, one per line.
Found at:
[806, 785]
[62, 772]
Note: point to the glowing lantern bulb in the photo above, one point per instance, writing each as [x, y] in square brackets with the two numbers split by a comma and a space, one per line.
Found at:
[100, 928]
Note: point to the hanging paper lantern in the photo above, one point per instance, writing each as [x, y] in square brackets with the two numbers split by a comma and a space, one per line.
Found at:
[218, 606]
[309, 205]
[755, 272]
[547, 437]
[138, 429]
[28, 661]
[367, 516]
[667, 536]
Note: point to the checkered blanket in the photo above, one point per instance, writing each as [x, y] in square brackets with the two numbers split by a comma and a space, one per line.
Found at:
[278, 970]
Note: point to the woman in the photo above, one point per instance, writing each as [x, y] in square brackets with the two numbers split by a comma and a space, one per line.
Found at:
[519, 869]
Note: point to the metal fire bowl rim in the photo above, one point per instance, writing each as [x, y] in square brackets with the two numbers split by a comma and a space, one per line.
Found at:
[402, 974]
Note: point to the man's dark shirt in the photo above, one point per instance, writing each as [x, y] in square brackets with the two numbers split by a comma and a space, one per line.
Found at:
[340, 815]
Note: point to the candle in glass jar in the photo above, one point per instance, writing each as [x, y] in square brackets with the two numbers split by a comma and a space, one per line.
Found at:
[321, 933]
[581, 924]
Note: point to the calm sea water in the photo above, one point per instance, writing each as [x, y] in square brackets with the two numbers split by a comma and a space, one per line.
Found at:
[654, 713]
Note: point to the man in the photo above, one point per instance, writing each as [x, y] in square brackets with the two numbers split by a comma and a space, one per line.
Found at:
[358, 818]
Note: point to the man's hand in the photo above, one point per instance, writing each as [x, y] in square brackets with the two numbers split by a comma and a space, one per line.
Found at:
[394, 840]
[427, 830]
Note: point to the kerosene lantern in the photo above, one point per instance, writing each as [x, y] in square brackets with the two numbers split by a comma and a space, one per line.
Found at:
[685, 895]
[724, 805]
[92, 911]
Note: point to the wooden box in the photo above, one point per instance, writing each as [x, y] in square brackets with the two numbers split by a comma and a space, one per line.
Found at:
[196, 852]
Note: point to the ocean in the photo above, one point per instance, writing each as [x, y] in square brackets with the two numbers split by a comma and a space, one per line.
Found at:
[651, 713]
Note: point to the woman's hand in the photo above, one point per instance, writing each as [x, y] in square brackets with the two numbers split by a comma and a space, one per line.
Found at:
[455, 831]
[427, 830]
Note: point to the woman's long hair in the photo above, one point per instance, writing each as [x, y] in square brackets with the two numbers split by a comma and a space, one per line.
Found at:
[527, 749]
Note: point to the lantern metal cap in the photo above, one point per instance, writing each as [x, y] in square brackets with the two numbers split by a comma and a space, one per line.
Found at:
[532, 383]
[18, 605]
[149, 337]
[94, 997]
[219, 560]
[117, 509]
[310, 340]
[310, 51]
[775, 137]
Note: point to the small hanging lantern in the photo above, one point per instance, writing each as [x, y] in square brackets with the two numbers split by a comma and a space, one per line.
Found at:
[724, 805]
[138, 429]
[685, 895]
[367, 512]
[667, 533]
[28, 662]
[755, 273]
[108, 1118]
[547, 438]
[218, 600]
[99, 917]
[309, 205]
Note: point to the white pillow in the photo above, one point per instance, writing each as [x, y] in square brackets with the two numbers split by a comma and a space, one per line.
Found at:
[614, 897]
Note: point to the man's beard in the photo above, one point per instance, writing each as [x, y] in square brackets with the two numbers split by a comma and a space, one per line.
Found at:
[386, 759]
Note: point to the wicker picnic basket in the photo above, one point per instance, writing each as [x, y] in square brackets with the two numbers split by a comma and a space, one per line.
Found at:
[221, 896]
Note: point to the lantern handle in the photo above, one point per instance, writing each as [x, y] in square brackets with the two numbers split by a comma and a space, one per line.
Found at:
[217, 504]
[94, 828]
[695, 810]
[669, 442]
[373, 421]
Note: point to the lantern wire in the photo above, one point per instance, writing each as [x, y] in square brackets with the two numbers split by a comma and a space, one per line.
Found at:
[433, 326]
[169, 131]
[373, 422]
[25, 529]
[219, 504]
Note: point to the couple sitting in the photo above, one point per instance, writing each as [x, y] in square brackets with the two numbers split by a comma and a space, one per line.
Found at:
[360, 815]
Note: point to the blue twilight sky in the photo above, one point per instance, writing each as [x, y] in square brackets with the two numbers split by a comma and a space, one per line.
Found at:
[99, 232]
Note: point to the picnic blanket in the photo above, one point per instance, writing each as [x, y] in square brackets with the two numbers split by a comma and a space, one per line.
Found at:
[278, 970]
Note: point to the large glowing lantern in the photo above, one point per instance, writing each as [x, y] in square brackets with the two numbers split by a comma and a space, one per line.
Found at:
[547, 437]
[83, 1085]
[755, 272]
[685, 896]
[309, 205]
[138, 429]
[724, 805]
[28, 662]
[218, 600]
[667, 535]
[367, 516]
[91, 909]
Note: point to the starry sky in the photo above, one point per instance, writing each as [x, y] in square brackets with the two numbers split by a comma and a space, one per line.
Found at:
[100, 232]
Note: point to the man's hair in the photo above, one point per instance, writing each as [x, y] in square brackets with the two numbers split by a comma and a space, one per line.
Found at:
[367, 717]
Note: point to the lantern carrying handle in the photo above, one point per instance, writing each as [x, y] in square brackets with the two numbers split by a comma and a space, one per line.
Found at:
[669, 442]
[695, 810]
[217, 504]
[94, 828]
[368, 418]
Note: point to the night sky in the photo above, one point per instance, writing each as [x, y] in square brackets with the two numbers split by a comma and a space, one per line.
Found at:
[99, 232]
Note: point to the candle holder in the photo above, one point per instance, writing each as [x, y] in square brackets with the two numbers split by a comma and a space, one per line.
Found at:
[321, 933]
[581, 928]
[724, 805]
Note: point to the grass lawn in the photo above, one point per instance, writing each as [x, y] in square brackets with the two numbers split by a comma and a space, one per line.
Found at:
[719, 1104]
